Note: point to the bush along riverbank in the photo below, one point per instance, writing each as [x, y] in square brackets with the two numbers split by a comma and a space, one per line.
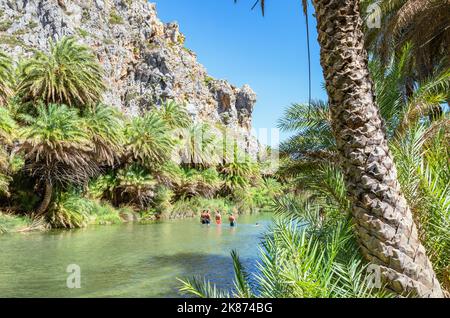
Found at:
[67, 160]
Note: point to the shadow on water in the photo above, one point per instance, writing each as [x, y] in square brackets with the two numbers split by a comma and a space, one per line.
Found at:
[218, 269]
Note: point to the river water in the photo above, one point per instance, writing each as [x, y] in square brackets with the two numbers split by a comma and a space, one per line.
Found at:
[131, 260]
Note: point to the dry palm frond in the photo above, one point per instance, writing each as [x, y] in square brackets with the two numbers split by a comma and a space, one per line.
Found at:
[136, 185]
[6, 78]
[424, 23]
[57, 146]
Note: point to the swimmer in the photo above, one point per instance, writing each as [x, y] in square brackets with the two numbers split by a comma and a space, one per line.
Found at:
[218, 218]
[232, 220]
[208, 217]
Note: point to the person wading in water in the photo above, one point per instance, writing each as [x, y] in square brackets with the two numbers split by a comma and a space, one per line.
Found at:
[232, 220]
[203, 217]
[208, 217]
[218, 218]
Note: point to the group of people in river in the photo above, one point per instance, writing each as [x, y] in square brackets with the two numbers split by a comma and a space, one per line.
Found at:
[205, 218]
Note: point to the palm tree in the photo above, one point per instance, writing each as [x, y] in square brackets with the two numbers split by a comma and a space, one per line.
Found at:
[423, 23]
[105, 126]
[198, 146]
[57, 149]
[148, 140]
[136, 185]
[192, 182]
[400, 110]
[239, 173]
[387, 233]
[6, 78]
[313, 138]
[187, 183]
[321, 177]
[384, 222]
[424, 172]
[174, 115]
[169, 174]
[208, 182]
[7, 128]
[70, 74]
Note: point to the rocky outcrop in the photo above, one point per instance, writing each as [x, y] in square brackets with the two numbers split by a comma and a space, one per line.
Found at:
[145, 60]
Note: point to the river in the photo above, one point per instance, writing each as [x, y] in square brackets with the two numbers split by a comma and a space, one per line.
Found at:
[131, 260]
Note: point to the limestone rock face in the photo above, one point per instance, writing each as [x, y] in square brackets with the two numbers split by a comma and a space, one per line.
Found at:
[145, 60]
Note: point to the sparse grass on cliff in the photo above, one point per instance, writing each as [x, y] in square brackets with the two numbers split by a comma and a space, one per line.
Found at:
[115, 18]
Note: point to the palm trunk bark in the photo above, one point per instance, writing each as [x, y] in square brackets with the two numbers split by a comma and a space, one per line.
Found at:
[384, 223]
[46, 200]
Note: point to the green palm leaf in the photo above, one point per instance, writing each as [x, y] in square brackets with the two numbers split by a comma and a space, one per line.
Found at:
[69, 74]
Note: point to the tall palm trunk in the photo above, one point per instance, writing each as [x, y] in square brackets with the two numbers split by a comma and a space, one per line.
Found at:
[384, 223]
[46, 200]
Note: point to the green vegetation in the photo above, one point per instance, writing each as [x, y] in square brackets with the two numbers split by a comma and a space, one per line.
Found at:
[67, 160]
[11, 40]
[69, 75]
[208, 80]
[13, 223]
[5, 25]
[85, 15]
[72, 210]
[83, 33]
[312, 249]
[361, 182]
[6, 78]
[31, 25]
[115, 18]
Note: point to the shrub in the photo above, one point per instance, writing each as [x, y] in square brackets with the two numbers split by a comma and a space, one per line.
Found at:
[115, 18]
[71, 210]
[12, 223]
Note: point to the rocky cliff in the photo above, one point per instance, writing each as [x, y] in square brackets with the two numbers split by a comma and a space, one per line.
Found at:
[145, 60]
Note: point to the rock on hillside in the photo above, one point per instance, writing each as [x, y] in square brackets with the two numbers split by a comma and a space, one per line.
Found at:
[145, 60]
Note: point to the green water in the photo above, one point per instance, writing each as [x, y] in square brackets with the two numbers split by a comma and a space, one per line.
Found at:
[130, 260]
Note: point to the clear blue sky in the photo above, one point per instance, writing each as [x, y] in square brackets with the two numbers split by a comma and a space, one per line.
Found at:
[239, 45]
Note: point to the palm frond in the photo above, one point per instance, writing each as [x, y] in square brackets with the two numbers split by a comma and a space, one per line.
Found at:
[105, 126]
[148, 140]
[6, 78]
[241, 278]
[201, 288]
[70, 74]
[174, 115]
[57, 146]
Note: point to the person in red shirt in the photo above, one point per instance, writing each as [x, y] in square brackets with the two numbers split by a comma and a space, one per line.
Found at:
[218, 218]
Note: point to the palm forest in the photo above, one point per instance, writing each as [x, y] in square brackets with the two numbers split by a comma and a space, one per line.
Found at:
[362, 186]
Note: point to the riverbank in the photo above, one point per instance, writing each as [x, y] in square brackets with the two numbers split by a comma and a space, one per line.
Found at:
[78, 212]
